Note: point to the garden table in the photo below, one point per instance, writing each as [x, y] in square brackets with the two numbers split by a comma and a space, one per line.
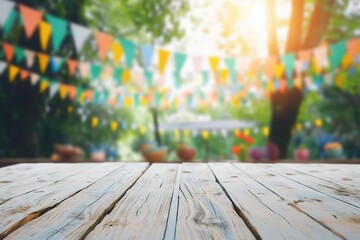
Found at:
[180, 201]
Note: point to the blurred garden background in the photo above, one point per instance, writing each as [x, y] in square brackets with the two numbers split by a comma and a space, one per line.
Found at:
[109, 77]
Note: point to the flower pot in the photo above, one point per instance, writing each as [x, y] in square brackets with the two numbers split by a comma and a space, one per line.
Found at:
[186, 154]
[302, 154]
[155, 155]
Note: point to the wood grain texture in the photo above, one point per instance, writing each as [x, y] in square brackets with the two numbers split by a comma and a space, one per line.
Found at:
[329, 187]
[38, 180]
[204, 210]
[269, 215]
[143, 212]
[18, 211]
[75, 216]
[341, 218]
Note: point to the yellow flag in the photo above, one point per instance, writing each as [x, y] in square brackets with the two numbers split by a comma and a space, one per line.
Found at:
[265, 131]
[176, 134]
[224, 74]
[164, 56]
[339, 81]
[214, 63]
[316, 66]
[128, 102]
[176, 102]
[45, 33]
[246, 132]
[142, 130]
[144, 102]
[347, 60]
[279, 70]
[186, 133]
[63, 90]
[298, 83]
[318, 122]
[43, 61]
[44, 85]
[94, 121]
[236, 132]
[114, 126]
[13, 72]
[126, 76]
[118, 51]
[70, 109]
[205, 134]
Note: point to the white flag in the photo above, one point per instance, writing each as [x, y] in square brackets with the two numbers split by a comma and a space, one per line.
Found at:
[3, 66]
[30, 56]
[80, 35]
[54, 87]
[34, 78]
[6, 7]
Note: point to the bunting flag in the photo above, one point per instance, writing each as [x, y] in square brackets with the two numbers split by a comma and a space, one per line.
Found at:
[72, 66]
[230, 64]
[61, 30]
[44, 85]
[72, 92]
[117, 74]
[13, 72]
[118, 51]
[126, 75]
[9, 52]
[270, 66]
[63, 91]
[34, 78]
[13, 16]
[30, 58]
[31, 19]
[24, 74]
[80, 35]
[197, 62]
[214, 63]
[56, 63]
[147, 53]
[6, 9]
[337, 53]
[149, 77]
[279, 70]
[289, 62]
[304, 55]
[104, 42]
[163, 56]
[129, 49]
[3, 66]
[45, 34]
[96, 71]
[353, 47]
[84, 69]
[19, 54]
[43, 62]
[320, 55]
[53, 89]
[114, 126]
[180, 59]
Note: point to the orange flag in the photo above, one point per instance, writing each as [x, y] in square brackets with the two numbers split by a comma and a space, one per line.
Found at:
[31, 19]
[89, 95]
[270, 67]
[45, 34]
[43, 61]
[13, 72]
[104, 43]
[305, 55]
[353, 46]
[9, 51]
[72, 65]
[214, 63]
[126, 76]
[72, 92]
[24, 74]
[63, 91]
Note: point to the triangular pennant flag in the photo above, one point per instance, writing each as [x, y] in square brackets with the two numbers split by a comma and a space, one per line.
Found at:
[6, 8]
[298, 67]
[147, 52]
[255, 66]
[149, 77]
[43, 62]
[117, 74]
[96, 69]
[80, 93]
[63, 91]
[304, 55]
[337, 52]
[9, 52]
[30, 57]
[177, 79]
[13, 72]
[270, 67]
[353, 46]
[129, 49]
[214, 63]
[19, 54]
[45, 33]
[44, 84]
[56, 63]
[320, 55]
[60, 30]
[118, 51]
[205, 75]
[80, 35]
[197, 62]
[14, 15]
[72, 66]
[31, 19]
[289, 62]
[84, 68]
[72, 92]
[180, 59]
[24, 74]
[34, 78]
[126, 75]
[163, 56]
[3, 66]
[279, 70]
[104, 42]
[53, 89]
[230, 64]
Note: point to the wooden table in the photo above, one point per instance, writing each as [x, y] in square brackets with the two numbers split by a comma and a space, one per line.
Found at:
[180, 201]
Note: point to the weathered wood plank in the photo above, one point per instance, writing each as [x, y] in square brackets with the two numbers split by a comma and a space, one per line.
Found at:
[20, 210]
[328, 187]
[268, 214]
[75, 217]
[143, 212]
[55, 173]
[204, 210]
[341, 218]
[346, 175]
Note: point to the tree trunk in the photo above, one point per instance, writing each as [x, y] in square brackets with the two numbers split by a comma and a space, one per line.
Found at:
[156, 126]
[285, 105]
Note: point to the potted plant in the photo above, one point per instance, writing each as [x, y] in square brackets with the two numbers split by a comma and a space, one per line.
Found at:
[302, 153]
[186, 153]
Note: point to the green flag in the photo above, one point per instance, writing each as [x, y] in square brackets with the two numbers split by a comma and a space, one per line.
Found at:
[118, 74]
[95, 71]
[149, 78]
[10, 22]
[289, 62]
[337, 53]
[180, 59]
[19, 54]
[230, 64]
[129, 49]
[59, 30]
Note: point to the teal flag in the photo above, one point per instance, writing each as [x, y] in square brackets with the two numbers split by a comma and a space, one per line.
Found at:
[289, 62]
[19, 54]
[230, 64]
[177, 79]
[118, 74]
[97, 96]
[337, 52]
[290, 83]
[149, 78]
[180, 59]
[157, 99]
[129, 49]
[13, 16]
[137, 99]
[59, 30]
[79, 91]
[205, 75]
[96, 70]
